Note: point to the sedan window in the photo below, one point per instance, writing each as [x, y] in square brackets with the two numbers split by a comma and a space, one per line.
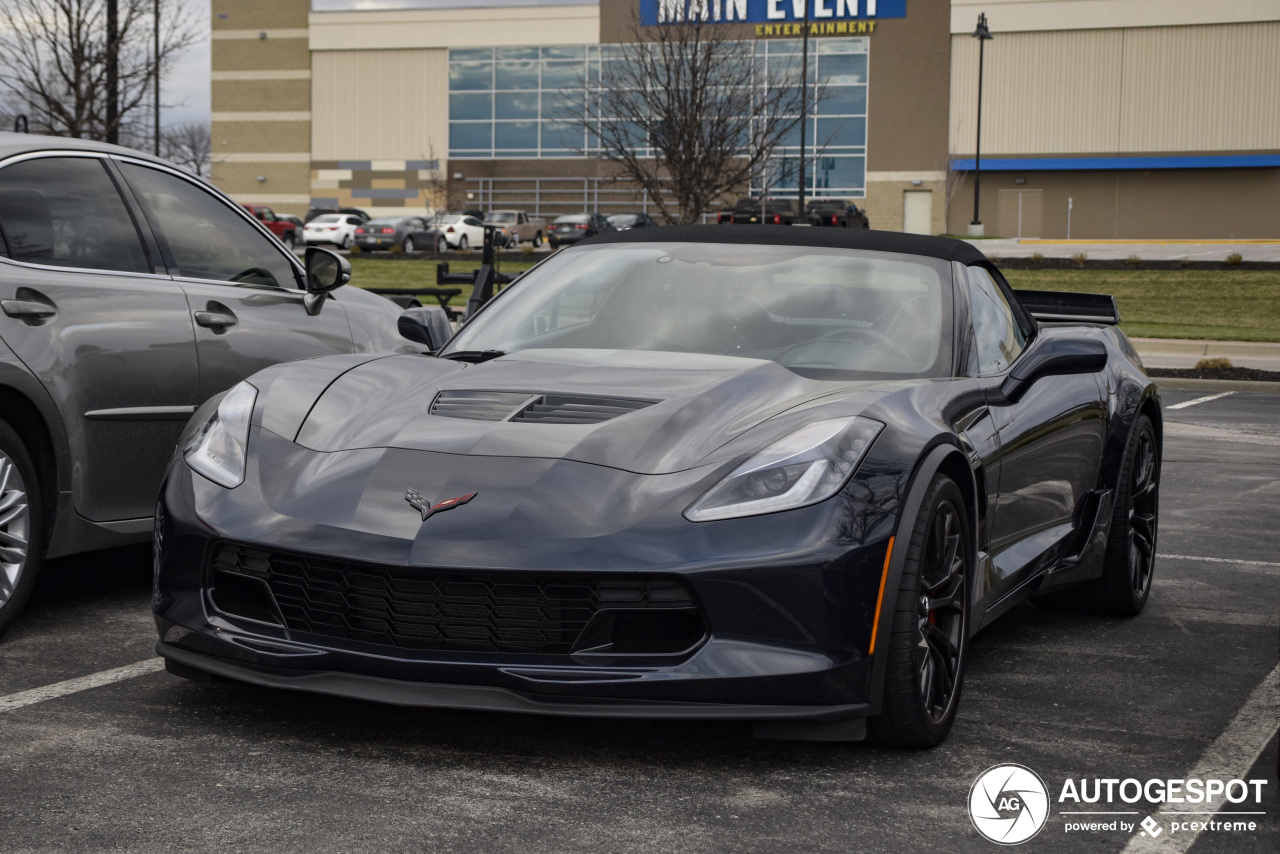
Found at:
[207, 238]
[66, 212]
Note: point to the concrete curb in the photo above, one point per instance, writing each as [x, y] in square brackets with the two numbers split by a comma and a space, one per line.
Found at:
[1187, 384]
[1193, 347]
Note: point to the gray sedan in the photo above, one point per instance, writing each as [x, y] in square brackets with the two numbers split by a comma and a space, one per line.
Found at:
[130, 292]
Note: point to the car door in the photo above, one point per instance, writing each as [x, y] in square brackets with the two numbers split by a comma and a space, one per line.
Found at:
[1051, 439]
[89, 311]
[243, 289]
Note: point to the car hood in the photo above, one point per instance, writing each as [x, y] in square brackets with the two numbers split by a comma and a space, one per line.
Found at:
[670, 411]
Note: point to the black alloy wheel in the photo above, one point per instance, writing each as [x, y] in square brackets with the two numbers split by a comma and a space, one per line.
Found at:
[928, 644]
[21, 525]
[1130, 560]
[1144, 492]
[941, 622]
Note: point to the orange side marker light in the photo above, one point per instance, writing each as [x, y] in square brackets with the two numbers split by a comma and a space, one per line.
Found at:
[884, 577]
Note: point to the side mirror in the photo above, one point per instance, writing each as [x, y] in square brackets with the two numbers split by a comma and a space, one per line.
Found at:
[1053, 356]
[326, 271]
[426, 325]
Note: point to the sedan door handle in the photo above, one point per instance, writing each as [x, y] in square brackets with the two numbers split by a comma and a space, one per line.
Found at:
[27, 309]
[214, 319]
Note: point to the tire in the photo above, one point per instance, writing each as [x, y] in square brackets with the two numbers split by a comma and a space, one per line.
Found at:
[1129, 564]
[346, 242]
[408, 246]
[442, 245]
[21, 526]
[928, 642]
[290, 241]
[462, 243]
[537, 240]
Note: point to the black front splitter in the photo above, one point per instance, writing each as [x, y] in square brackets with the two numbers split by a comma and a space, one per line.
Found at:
[822, 723]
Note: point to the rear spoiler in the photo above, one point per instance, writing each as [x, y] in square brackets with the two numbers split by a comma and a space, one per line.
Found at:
[1068, 307]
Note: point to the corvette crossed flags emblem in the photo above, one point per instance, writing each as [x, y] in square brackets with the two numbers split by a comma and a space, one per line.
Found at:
[417, 502]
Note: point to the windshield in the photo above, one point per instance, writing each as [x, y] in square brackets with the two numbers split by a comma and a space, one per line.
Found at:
[328, 218]
[570, 219]
[389, 223]
[502, 217]
[814, 310]
[624, 219]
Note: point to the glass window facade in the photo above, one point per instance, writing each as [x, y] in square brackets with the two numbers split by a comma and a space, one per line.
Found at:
[511, 103]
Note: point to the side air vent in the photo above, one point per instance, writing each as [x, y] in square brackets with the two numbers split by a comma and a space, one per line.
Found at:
[478, 405]
[563, 409]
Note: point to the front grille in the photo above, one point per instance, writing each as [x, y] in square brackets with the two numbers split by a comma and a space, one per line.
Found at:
[429, 609]
[521, 406]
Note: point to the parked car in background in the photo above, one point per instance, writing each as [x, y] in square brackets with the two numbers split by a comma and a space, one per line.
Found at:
[475, 212]
[131, 292]
[835, 213]
[336, 229]
[459, 231]
[315, 212]
[572, 228]
[279, 226]
[410, 233]
[296, 220]
[518, 227]
[624, 221]
[754, 211]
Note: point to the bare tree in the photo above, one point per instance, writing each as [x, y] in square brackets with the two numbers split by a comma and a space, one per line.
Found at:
[54, 59]
[188, 145]
[686, 114]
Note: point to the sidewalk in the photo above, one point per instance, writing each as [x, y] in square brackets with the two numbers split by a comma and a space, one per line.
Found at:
[1119, 250]
[1184, 353]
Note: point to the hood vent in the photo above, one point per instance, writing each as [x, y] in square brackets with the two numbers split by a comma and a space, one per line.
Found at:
[564, 409]
[522, 406]
[479, 405]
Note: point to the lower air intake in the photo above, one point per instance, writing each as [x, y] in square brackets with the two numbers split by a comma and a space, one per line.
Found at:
[429, 609]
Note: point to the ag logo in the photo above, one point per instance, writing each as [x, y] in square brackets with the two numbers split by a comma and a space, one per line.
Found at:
[1008, 804]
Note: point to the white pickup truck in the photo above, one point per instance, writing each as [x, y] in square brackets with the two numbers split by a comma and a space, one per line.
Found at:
[518, 227]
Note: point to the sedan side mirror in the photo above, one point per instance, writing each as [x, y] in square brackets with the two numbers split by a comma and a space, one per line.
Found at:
[426, 325]
[326, 271]
[1053, 356]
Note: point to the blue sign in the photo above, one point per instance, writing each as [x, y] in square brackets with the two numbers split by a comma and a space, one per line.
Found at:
[654, 12]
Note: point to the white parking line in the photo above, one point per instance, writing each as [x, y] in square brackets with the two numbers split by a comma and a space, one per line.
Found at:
[1185, 404]
[80, 683]
[1163, 556]
[1229, 757]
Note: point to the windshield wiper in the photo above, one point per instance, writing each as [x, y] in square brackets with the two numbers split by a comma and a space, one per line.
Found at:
[474, 356]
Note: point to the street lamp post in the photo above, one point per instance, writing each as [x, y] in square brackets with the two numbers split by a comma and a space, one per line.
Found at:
[983, 35]
[804, 102]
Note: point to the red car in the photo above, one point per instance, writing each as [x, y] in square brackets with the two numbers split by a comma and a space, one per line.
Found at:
[279, 226]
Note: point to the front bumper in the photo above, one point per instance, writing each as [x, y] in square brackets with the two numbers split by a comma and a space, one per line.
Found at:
[787, 626]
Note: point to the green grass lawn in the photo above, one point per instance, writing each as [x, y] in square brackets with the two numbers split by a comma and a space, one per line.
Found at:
[389, 272]
[1228, 305]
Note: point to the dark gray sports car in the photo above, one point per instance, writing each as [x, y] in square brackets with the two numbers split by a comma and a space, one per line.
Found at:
[129, 293]
[765, 474]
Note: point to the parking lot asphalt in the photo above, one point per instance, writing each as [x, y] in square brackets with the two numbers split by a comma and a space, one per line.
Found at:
[154, 762]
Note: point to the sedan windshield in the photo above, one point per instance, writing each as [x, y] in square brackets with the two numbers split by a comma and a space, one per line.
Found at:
[502, 217]
[814, 310]
[387, 223]
[327, 218]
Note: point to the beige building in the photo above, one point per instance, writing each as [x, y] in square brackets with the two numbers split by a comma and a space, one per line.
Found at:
[1145, 118]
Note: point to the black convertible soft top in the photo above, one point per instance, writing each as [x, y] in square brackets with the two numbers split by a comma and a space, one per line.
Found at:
[946, 248]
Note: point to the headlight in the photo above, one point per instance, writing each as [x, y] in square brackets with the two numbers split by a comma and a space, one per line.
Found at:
[809, 466]
[217, 450]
